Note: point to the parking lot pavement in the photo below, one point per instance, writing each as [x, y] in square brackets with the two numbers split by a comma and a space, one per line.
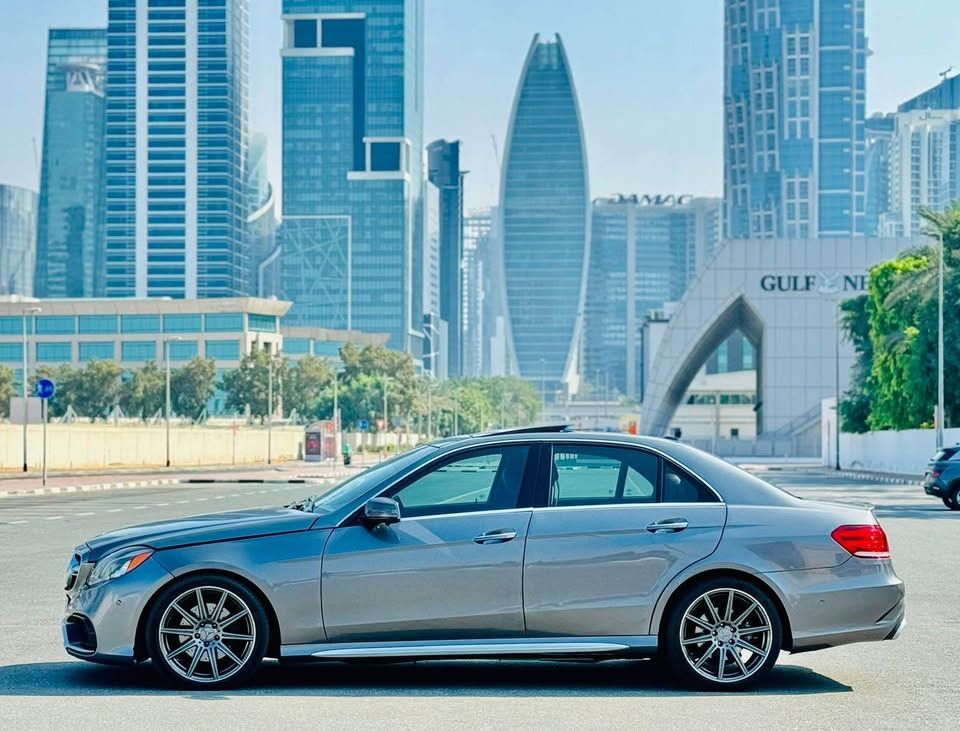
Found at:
[907, 683]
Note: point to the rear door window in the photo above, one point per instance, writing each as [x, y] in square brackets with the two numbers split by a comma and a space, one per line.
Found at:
[594, 475]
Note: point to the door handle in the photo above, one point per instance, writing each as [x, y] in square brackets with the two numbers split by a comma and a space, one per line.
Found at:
[669, 525]
[495, 536]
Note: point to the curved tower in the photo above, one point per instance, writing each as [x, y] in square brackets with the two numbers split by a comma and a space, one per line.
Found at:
[544, 210]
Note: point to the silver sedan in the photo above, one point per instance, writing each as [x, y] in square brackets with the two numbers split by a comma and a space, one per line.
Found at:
[539, 543]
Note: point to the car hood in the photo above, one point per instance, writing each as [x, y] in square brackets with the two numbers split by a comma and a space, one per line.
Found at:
[208, 528]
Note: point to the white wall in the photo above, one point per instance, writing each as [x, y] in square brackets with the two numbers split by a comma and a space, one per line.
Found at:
[904, 452]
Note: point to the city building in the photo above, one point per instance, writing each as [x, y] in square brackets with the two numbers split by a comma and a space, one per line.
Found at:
[352, 233]
[18, 239]
[794, 96]
[922, 171]
[176, 138]
[70, 220]
[264, 270]
[476, 241]
[644, 251]
[879, 131]
[445, 196]
[945, 95]
[544, 223]
[132, 332]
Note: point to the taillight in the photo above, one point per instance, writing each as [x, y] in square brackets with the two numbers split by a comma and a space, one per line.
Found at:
[862, 541]
[935, 474]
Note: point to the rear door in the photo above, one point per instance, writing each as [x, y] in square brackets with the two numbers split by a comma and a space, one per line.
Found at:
[612, 527]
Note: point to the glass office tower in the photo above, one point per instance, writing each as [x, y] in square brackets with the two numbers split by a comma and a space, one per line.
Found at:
[18, 239]
[352, 254]
[794, 95]
[176, 138]
[544, 209]
[70, 220]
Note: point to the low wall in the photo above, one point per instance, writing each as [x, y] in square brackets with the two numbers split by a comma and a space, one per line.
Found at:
[92, 446]
[903, 452]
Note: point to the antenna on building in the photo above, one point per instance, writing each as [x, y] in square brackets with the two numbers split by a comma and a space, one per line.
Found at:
[496, 151]
[36, 160]
[943, 74]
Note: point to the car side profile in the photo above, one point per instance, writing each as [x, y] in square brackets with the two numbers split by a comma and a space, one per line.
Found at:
[539, 543]
[942, 478]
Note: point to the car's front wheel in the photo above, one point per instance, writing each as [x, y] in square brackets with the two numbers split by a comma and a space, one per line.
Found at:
[207, 632]
[722, 634]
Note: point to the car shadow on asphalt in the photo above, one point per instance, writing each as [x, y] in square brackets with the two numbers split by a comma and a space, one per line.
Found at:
[433, 678]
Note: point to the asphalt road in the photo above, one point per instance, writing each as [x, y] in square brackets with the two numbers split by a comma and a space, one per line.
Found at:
[908, 683]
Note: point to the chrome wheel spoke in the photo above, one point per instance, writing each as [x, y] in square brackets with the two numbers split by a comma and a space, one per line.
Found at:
[755, 630]
[739, 660]
[212, 657]
[699, 622]
[194, 662]
[713, 610]
[728, 613]
[234, 617]
[723, 662]
[180, 650]
[696, 640]
[185, 614]
[744, 645]
[176, 631]
[201, 607]
[706, 656]
[746, 613]
[219, 608]
[229, 653]
[232, 636]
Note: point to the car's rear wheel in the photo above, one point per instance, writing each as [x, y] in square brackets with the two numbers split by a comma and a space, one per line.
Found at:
[722, 634]
[207, 632]
[952, 501]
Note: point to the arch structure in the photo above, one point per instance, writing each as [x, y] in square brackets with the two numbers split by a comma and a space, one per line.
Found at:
[784, 295]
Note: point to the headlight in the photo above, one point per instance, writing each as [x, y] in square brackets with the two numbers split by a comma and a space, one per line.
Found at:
[118, 563]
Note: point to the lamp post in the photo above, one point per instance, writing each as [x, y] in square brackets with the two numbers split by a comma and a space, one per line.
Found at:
[26, 411]
[166, 357]
[940, 413]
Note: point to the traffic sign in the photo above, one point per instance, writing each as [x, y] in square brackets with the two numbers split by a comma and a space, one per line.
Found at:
[364, 425]
[44, 388]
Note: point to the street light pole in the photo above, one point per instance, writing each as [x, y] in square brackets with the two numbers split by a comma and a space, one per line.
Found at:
[26, 410]
[940, 413]
[166, 356]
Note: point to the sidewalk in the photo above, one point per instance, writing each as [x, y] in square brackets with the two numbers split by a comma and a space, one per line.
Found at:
[13, 484]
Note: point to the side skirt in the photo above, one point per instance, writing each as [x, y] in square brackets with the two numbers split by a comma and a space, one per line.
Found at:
[536, 647]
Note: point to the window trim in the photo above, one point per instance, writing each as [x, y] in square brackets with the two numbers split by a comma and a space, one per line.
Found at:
[542, 492]
[525, 499]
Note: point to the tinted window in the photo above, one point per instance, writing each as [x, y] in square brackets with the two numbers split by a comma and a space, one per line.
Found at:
[679, 487]
[481, 480]
[588, 475]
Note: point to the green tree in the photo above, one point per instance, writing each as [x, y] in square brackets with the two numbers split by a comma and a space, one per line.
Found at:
[95, 388]
[855, 402]
[144, 392]
[306, 386]
[7, 390]
[365, 371]
[248, 384]
[65, 379]
[192, 386]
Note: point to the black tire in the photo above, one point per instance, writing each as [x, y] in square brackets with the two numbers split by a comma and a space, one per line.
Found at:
[231, 620]
[953, 501]
[676, 632]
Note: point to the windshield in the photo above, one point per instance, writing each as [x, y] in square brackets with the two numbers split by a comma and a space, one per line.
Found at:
[352, 488]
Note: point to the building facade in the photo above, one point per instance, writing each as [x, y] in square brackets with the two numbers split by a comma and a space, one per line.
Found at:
[264, 270]
[644, 252]
[18, 239]
[879, 130]
[446, 194]
[544, 222]
[476, 241]
[945, 95]
[352, 253]
[176, 138]
[794, 96]
[70, 220]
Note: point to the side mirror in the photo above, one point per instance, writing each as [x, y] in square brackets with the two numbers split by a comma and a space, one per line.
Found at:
[381, 510]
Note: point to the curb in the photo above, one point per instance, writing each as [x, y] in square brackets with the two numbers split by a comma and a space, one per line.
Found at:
[879, 477]
[62, 489]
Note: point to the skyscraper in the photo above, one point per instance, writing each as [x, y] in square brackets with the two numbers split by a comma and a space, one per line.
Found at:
[70, 220]
[544, 209]
[446, 194]
[644, 252]
[176, 138]
[476, 242]
[352, 254]
[794, 95]
[945, 95]
[879, 132]
[18, 239]
[261, 221]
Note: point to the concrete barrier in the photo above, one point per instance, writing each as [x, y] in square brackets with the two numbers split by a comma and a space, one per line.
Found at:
[91, 446]
[902, 452]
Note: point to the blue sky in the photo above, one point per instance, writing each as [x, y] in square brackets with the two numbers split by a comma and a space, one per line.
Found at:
[648, 73]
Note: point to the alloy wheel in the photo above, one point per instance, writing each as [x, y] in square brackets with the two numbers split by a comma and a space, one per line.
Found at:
[207, 634]
[726, 635]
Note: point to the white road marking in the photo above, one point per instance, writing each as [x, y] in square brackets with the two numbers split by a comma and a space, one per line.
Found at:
[18, 522]
[114, 510]
[200, 500]
[140, 507]
[84, 515]
[54, 517]
[219, 497]
[160, 505]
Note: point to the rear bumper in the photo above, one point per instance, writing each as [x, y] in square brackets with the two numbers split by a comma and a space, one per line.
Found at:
[935, 488]
[862, 600]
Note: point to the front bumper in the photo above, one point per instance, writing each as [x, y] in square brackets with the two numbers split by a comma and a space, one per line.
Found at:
[861, 600]
[100, 622]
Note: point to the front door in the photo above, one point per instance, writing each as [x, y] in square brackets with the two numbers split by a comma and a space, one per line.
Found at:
[608, 538]
[452, 568]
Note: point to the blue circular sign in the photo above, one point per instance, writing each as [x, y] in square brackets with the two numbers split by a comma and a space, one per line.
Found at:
[364, 424]
[44, 388]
